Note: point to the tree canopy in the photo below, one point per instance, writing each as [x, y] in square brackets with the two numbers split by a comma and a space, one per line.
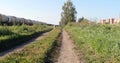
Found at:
[68, 14]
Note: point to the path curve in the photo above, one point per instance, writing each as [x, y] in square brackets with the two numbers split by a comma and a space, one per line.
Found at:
[67, 53]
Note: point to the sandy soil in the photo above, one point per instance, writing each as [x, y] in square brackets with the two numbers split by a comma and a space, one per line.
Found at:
[67, 52]
[22, 46]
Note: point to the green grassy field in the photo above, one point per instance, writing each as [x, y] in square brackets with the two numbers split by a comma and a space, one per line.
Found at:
[13, 35]
[99, 43]
[35, 52]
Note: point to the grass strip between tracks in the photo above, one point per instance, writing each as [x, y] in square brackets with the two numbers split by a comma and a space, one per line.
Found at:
[35, 52]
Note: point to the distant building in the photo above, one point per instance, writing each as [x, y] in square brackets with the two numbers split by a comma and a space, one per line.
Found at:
[110, 21]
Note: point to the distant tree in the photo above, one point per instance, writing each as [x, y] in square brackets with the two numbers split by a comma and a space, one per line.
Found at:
[85, 21]
[68, 14]
[81, 19]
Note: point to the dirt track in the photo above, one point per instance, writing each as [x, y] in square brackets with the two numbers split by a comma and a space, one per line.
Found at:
[67, 53]
[22, 46]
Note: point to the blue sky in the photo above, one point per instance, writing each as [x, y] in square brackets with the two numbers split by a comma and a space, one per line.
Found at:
[50, 10]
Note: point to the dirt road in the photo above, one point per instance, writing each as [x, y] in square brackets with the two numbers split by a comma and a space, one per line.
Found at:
[22, 46]
[67, 53]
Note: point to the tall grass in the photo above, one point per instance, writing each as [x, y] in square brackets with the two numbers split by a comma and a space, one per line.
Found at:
[13, 35]
[35, 52]
[100, 43]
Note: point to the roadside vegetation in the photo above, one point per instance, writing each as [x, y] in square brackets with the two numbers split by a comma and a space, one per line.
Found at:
[99, 43]
[35, 52]
[14, 35]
